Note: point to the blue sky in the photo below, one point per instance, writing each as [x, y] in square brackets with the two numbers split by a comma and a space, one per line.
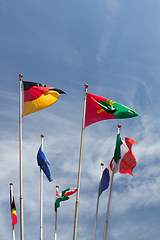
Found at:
[114, 47]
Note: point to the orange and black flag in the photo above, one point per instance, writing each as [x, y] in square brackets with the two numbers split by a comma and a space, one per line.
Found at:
[13, 207]
[37, 96]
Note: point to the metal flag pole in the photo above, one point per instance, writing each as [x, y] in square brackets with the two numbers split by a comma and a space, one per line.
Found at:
[13, 233]
[55, 238]
[95, 223]
[20, 158]
[11, 191]
[41, 195]
[79, 170]
[109, 198]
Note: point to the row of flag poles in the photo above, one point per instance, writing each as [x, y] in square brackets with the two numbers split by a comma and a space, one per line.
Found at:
[95, 108]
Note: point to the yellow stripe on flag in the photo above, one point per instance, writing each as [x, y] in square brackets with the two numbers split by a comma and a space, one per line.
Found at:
[44, 101]
[15, 212]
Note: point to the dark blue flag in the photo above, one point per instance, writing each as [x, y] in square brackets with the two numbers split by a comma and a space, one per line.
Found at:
[44, 163]
[104, 182]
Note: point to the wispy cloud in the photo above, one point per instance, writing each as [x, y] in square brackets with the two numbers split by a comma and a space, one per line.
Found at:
[112, 7]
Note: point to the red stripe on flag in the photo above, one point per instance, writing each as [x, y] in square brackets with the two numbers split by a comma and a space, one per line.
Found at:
[70, 192]
[14, 219]
[127, 163]
[34, 93]
[129, 142]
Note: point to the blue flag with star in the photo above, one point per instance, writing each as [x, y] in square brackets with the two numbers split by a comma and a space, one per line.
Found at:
[44, 163]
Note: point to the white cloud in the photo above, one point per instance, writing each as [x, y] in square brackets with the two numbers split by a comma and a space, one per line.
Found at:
[112, 7]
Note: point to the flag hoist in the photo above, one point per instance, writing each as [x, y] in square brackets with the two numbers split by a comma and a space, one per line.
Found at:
[55, 234]
[36, 97]
[96, 108]
[61, 198]
[41, 196]
[44, 164]
[123, 162]
[79, 169]
[20, 158]
[99, 188]
[109, 198]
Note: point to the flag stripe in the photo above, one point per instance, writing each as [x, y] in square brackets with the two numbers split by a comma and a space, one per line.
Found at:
[27, 85]
[34, 93]
[127, 163]
[71, 191]
[129, 142]
[14, 217]
[44, 101]
[117, 152]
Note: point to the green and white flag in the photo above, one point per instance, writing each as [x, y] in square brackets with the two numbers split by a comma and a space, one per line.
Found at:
[63, 196]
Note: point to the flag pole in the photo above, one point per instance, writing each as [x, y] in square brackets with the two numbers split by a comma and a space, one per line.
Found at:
[55, 238]
[20, 158]
[11, 190]
[79, 170]
[41, 195]
[109, 198]
[13, 232]
[95, 223]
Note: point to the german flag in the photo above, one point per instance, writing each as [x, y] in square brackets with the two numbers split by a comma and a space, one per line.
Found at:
[37, 96]
[13, 207]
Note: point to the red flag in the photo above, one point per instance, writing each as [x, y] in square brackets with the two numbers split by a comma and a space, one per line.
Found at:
[100, 108]
[127, 160]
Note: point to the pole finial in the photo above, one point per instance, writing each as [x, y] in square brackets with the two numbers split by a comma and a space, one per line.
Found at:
[42, 136]
[86, 85]
[11, 184]
[119, 128]
[102, 164]
[20, 75]
[57, 186]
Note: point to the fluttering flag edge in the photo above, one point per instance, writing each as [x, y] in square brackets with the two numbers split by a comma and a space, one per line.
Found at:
[92, 102]
[38, 97]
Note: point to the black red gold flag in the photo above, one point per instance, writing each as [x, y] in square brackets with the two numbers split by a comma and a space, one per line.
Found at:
[13, 209]
[37, 96]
